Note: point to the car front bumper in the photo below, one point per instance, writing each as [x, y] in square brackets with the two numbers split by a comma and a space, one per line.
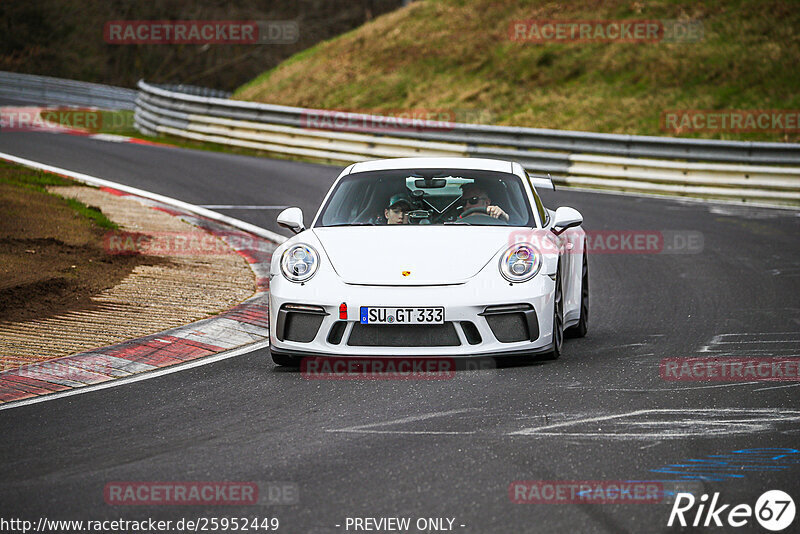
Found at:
[483, 317]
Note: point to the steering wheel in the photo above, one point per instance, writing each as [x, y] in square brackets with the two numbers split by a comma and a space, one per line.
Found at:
[472, 211]
[481, 216]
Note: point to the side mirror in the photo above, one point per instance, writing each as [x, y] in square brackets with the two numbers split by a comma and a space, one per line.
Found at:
[566, 218]
[292, 218]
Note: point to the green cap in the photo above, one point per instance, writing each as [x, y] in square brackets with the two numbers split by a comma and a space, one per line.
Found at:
[399, 198]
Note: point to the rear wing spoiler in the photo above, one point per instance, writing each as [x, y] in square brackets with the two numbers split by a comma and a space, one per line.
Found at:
[541, 181]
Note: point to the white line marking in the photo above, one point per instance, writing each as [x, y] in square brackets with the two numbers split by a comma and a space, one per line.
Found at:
[651, 445]
[715, 345]
[632, 390]
[531, 430]
[617, 435]
[721, 385]
[234, 207]
[750, 354]
[714, 340]
[411, 432]
[695, 422]
[717, 386]
[366, 429]
[139, 377]
[748, 350]
[701, 425]
[761, 341]
[760, 334]
[113, 138]
[777, 387]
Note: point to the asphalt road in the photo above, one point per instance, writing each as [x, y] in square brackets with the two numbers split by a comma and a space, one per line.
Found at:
[447, 448]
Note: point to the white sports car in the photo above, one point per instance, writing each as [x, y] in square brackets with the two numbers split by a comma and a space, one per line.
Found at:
[429, 257]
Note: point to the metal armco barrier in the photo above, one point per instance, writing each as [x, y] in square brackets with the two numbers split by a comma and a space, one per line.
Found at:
[39, 90]
[732, 170]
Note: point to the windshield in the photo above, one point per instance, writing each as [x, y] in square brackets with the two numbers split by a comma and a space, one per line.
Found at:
[428, 196]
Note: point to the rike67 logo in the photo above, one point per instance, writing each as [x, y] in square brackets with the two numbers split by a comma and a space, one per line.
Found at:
[774, 511]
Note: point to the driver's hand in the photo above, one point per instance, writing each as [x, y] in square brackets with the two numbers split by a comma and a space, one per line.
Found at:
[496, 212]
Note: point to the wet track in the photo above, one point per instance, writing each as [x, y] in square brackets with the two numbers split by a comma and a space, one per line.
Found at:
[446, 448]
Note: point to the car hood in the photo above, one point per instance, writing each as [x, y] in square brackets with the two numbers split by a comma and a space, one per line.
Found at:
[429, 255]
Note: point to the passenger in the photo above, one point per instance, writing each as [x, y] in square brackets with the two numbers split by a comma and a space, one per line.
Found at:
[397, 210]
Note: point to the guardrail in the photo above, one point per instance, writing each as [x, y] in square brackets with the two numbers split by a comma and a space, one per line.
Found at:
[195, 90]
[701, 168]
[32, 89]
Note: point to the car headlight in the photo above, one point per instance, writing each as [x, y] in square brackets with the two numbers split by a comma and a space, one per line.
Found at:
[299, 263]
[520, 262]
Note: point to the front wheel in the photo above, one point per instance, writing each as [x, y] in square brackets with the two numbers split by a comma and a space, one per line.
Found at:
[558, 322]
[580, 329]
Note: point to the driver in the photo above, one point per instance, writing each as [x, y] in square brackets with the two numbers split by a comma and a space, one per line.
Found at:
[397, 210]
[475, 197]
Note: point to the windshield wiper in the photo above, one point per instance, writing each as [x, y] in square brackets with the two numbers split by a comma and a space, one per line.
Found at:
[351, 224]
[458, 222]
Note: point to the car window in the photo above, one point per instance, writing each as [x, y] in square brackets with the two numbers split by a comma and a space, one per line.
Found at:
[428, 197]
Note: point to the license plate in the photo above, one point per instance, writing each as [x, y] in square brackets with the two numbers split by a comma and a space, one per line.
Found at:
[384, 315]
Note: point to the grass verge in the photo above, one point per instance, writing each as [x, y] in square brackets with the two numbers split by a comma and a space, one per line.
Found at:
[52, 255]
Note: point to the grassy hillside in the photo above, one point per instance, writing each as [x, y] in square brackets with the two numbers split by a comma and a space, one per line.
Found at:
[457, 55]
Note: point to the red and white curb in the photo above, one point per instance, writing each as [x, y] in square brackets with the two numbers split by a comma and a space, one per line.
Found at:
[245, 325]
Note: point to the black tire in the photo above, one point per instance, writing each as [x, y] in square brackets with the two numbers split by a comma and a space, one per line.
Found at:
[558, 322]
[580, 329]
[286, 360]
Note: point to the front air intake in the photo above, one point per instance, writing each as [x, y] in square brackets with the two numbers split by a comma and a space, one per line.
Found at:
[299, 322]
[380, 335]
[512, 323]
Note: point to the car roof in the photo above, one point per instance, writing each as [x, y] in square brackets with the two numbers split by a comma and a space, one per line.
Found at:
[433, 163]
